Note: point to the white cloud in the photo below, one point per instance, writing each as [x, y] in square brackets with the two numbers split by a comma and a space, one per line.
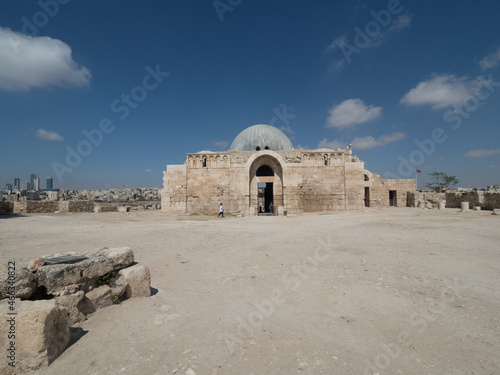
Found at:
[481, 153]
[337, 43]
[397, 25]
[490, 61]
[351, 112]
[441, 91]
[363, 143]
[336, 64]
[48, 135]
[324, 143]
[221, 144]
[29, 62]
[148, 170]
[400, 23]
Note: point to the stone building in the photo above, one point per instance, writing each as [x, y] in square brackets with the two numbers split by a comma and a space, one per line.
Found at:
[262, 172]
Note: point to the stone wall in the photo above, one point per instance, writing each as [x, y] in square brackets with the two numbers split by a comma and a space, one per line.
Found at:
[207, 188]
[380, 192]
[320, 189]
[76, 206]
[491, 201]
[99, 207]
[487, 201]
[174, 193]
[6, 208]
[46, 206]
[430, 197]
[37, 207]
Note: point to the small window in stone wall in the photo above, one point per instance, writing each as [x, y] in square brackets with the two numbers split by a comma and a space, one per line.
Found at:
[266, 148]
[367, 178]
[257, 148]
[204, 162]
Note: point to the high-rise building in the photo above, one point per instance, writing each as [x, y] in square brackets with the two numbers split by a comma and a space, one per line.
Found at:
[36, 184]
[8, 187]
[17, 183]
[26, 186]
[32, 180]
[49, 183]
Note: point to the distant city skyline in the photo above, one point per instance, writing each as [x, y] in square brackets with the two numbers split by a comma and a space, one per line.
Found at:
[408, 85]
[34, 183]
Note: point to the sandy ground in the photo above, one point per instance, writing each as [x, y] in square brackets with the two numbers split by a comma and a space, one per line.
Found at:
[388, 291]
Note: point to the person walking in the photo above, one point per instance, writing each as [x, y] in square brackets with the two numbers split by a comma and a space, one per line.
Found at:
[221, 211]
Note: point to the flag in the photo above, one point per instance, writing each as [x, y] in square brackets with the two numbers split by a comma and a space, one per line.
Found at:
[418, 171]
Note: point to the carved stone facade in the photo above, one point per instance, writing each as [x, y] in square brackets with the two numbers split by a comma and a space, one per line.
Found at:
[280, 181]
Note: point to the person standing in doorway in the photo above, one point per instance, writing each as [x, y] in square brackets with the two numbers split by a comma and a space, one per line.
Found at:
[221, 211]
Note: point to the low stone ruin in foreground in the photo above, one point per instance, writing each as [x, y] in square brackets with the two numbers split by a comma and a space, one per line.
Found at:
[53, 293]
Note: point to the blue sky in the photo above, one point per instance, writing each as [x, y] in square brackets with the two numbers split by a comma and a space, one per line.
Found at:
[106, 94]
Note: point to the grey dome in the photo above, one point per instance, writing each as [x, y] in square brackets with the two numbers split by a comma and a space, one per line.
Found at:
[262, 136]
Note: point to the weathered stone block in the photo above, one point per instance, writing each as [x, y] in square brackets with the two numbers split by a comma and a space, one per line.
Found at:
[122, 257]
[119, 286]
[25, 283]
[84, 274]
[35, 264]
[41, 330]
[138, 280]
[96, 299]
[464, 206]
[71, 302]
[496, 211]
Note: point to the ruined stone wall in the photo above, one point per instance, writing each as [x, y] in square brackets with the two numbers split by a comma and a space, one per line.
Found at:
[46, 206]
[487, 201]
[380, 191]
[101, 207]
[491, 201]
[36, 207]
[432, 197]
[6, 208]
[20, 207]
[76, 206]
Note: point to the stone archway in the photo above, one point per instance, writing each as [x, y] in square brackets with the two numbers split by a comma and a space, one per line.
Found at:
[267, 171]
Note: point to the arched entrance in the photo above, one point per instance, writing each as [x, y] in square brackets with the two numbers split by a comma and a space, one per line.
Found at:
[266, 184]
[265, 194]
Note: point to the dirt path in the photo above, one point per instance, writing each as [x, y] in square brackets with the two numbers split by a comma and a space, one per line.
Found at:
[388, 291]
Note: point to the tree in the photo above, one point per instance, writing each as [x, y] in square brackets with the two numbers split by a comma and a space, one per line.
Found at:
[440, 181]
